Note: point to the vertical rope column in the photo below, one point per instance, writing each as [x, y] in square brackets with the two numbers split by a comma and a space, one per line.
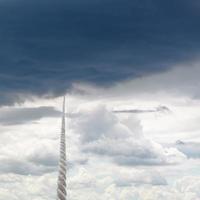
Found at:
[61, 189]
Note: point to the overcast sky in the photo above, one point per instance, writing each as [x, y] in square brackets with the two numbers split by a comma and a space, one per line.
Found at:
[130, 72]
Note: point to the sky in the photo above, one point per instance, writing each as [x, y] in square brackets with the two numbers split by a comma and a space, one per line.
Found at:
[130, 73]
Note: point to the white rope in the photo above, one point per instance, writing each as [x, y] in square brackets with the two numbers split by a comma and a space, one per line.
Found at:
[61, 190]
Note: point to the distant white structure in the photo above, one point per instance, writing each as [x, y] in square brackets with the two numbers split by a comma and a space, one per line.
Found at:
[61, 189]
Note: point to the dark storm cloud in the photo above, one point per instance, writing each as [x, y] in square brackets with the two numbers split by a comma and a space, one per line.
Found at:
[46, 45]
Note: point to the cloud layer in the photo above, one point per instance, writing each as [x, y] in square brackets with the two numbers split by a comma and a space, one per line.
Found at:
[103, 134]
[110, 155]
[48, 45]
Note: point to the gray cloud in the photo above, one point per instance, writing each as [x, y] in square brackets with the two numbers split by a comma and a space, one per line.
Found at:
[23, 167]
[191, 149]
[13, 116]
[50, 159]
[162, 109]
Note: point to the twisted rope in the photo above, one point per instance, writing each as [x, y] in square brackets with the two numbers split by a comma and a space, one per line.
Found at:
[61, 188]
